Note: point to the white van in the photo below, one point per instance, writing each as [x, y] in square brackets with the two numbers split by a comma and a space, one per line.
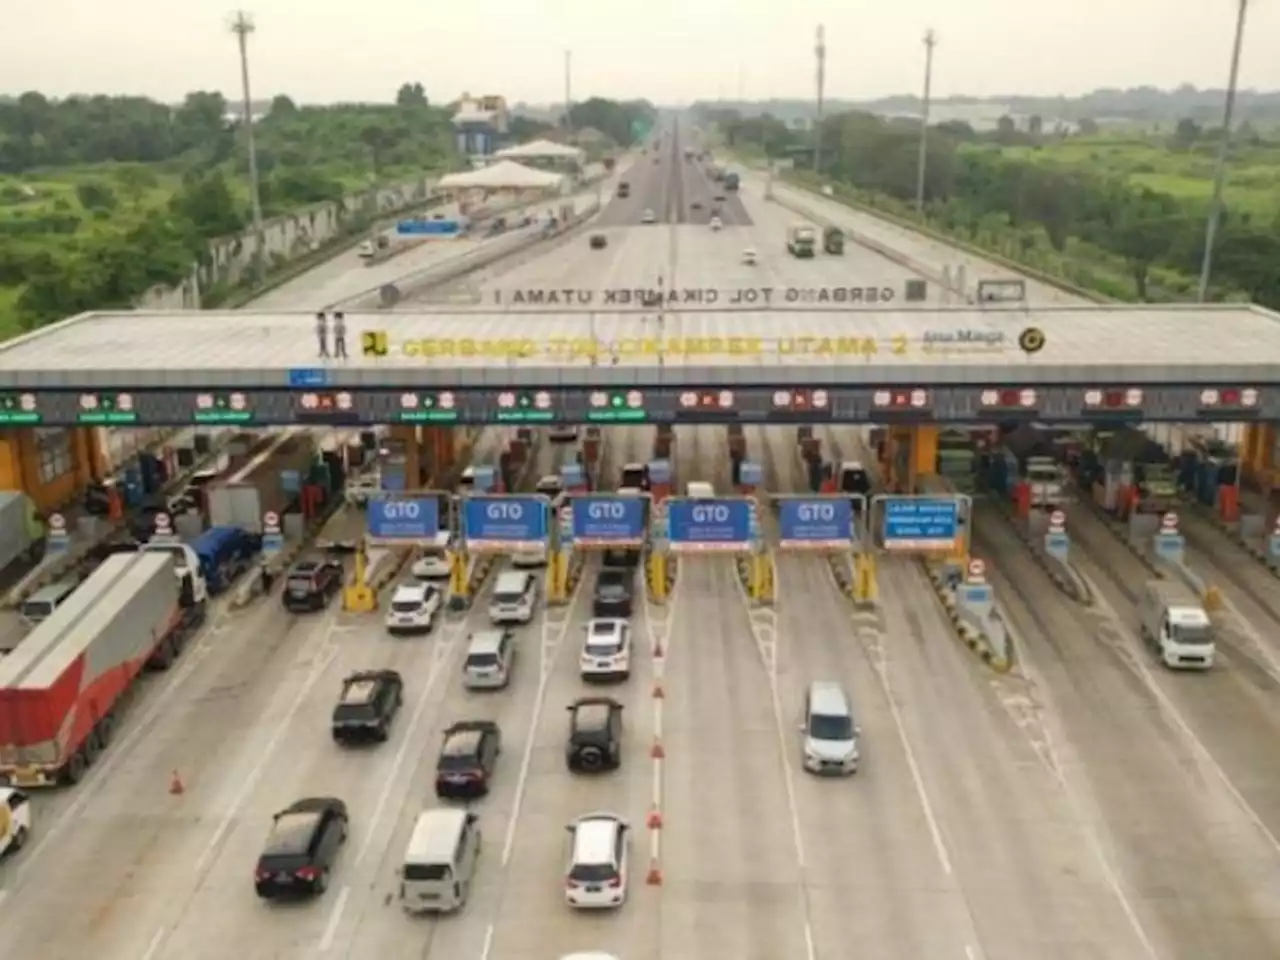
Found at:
[413, 608]
[830, 732]
[514, 598]
[700, 490]
[1175, 624]
[440, 861]
[41, 604]
[490, 656]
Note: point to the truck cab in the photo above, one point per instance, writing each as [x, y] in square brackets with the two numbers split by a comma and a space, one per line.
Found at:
[800, 241]
[1045, 478]
[186, 566]
[1175, 624]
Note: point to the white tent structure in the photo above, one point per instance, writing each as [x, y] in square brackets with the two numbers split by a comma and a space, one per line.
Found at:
[504, 175]
[540, 150]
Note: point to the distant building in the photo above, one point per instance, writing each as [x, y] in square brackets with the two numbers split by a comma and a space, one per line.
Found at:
[479, 123]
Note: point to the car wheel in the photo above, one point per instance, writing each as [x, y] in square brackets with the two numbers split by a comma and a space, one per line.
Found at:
[19, 839]
[592, 758]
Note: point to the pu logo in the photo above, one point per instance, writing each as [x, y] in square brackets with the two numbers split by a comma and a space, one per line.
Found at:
[373, 343]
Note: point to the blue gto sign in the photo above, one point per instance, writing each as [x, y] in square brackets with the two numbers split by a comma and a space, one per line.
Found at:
[609, 521]
[817, 523]
[706, 525]
[503, 523]
[415, 519]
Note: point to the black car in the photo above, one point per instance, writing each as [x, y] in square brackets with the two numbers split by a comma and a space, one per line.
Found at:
[621, 558]
[369, 702]
[301, 848]
[310, 584]
[613, 594]
[467, 759]
[599, 241]
[595, 735]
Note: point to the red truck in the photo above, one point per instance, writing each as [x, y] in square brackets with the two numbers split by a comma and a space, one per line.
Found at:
[61, 688]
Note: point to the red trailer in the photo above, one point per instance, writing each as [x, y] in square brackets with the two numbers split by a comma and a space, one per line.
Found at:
[60, 689]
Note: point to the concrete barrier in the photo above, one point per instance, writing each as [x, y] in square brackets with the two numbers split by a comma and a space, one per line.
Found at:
[671, 569]
[1255, 548]
[993, 650]
[1064, 576]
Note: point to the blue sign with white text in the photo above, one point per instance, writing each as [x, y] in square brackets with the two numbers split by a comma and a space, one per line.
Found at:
[609, 520]
[500, 523]
[709, 524]
[825, 522]
[407, 519]
[921, 523]
[428, 228]
[1170, 547]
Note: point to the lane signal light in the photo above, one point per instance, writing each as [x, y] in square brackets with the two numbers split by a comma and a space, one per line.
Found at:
[1113, 399]
[1010, 397]
[1229, 397]
[901, 399]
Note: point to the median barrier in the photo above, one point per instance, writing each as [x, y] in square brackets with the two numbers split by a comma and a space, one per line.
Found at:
[1255, 547]
[670, 569]
[842, 572]
[993, 651]
[573, 575]
[1064, 576]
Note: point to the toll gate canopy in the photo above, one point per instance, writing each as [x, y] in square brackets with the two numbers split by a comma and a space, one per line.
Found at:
[651, 364]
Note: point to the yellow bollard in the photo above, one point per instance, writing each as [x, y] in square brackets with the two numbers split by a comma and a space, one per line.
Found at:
[1212, 599]
[756, 580]
[458, 585]
[768, 590]
[557, 569]
[658, 575]
[359, 597]
[864, 581]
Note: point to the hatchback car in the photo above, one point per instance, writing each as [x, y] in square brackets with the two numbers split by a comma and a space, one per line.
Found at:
[606, 654]
[595, 735]
[301, 849]
[311, 584]
[467, 759]
[614, 593]
[596, 878]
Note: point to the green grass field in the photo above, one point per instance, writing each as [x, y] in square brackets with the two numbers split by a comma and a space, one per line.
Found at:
[1253, 175]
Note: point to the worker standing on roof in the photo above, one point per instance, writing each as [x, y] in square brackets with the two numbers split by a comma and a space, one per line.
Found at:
[339, 334]
[322, 333]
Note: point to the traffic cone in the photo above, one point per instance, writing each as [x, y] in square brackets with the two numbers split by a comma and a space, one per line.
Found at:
[655, 819]
[654, 879]
[658, 692]
[176, 787]
[657, 753]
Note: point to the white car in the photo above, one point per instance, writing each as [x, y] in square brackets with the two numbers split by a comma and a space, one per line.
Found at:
[434, 564]
[366, 250]
[15, 820]
[552, 487]
[361, 488]
[413, 609]
[749, 257]
[563, 433]
[716, 223]
[596, 878]
[647, 217]
[606, 654]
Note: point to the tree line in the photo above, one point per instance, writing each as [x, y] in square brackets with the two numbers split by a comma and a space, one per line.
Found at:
[975, 188]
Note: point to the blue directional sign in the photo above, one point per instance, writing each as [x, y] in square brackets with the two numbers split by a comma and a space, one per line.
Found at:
[428, 228]
[416, 518]
[1170, 547]
[308, 377]
[709, 525]
[750, 474]
[921, 523]
[815, 523]
[498, 524]
[659, 471]
[606, 521]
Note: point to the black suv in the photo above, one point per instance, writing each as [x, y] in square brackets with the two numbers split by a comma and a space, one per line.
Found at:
[613, 594]
[310, 584]
[595, 735]
[369, 702]
[301, 848]
[599, 241]
[467, 759]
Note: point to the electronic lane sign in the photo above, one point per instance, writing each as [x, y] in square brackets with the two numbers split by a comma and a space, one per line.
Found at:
[500, 524]
[921, 523]
[415, 518]
[816, 523]
[709, 525]
[601, 521]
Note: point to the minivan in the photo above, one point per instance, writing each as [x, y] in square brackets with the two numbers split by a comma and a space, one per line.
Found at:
[515, 596]
[490, 657]
[41, 604]
[440, 861]
[830, 731]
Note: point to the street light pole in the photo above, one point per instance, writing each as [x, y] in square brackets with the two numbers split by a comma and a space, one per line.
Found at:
[930, 41]
[820, 52]
[1224, 151]
[242, 26]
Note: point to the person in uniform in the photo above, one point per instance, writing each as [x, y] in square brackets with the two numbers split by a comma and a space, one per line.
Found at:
[339, 334]
[322, 333]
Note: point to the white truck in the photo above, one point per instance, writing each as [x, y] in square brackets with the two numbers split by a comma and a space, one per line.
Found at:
[15, 820]
[1046, 478]
[1175, 624]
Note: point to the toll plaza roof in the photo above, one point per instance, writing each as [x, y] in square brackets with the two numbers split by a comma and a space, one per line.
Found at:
[619, 345]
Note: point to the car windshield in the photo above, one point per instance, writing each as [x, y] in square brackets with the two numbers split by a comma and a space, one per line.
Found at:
[1198, 636]
[427, 871]
[458, 761]
[592, 873]
[602, 648]
[302, 584]
[830, 728]
[406, 606]
[508, 596]
[354, 713]
[291, 836]
[610, 590]
[482, 660]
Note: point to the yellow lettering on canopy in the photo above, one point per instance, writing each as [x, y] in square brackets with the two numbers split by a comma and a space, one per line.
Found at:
[899, 341]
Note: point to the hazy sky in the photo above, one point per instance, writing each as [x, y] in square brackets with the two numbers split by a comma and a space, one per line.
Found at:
[666, 50]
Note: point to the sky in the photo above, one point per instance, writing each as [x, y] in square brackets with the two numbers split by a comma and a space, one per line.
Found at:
[669, 51]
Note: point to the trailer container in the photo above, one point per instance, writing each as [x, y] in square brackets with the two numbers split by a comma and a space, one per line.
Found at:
[270, 483]
[21, 532]
[62, 688]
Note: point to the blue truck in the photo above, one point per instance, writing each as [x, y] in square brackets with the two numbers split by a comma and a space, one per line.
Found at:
[224, 553]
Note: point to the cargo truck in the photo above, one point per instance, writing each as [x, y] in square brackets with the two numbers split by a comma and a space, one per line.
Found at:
[1047, 481]
[731, 182]
[833, 241]
[62, 689]
[21, 530]
[1174, 623]
[219, 555]
[800, 241]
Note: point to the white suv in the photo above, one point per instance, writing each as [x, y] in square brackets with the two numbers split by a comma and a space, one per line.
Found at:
[514, 598]
[596, 878]
[434, 562]
[606, 655]
[414, 607]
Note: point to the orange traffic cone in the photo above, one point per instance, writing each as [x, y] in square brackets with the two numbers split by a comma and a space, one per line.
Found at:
[176, 787]
[658, 692]
[655, 819]
[654, 879]
[657, 753]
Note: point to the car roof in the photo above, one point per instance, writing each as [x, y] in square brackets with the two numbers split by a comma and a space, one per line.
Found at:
[593, 837]
[512, 580]
[412, 591]
[829, 699]
[358, 692]
[464, 742]
[485, 641]
[593, 714]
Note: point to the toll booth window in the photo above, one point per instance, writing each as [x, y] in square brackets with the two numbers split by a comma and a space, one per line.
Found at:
[54, 448]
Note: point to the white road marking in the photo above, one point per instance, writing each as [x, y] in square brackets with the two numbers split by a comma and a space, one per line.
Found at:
[335, 917]
[440, 659]
[487, 947]
[153, 948]
[265, 757]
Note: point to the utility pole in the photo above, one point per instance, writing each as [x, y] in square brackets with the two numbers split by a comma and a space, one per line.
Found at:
[242, 26]
[1224, 151]
[568, 91]
[820, 52]
[930, 41]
